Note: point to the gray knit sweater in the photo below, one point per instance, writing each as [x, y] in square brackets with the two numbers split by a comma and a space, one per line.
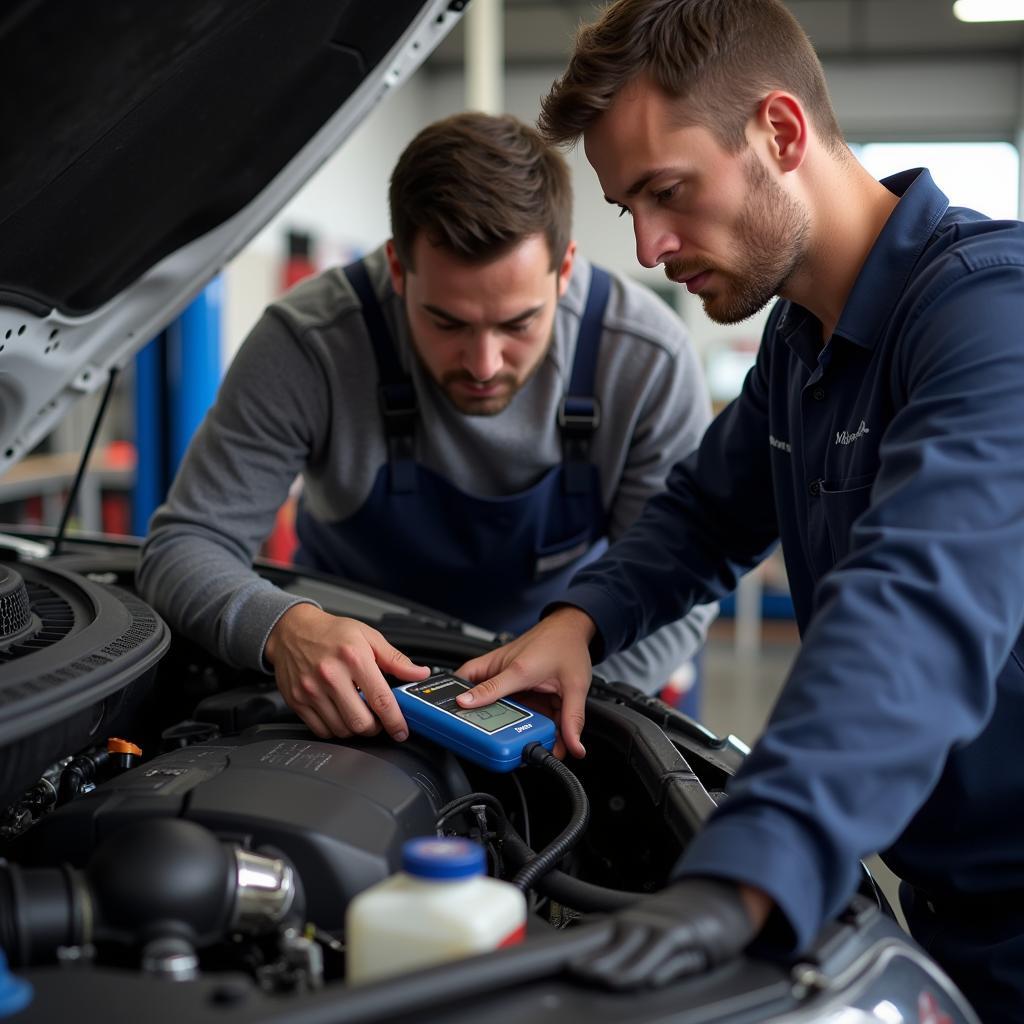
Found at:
[301, 398]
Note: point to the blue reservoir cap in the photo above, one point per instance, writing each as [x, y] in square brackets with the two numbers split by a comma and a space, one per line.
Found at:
[443, 857]
[15, 993]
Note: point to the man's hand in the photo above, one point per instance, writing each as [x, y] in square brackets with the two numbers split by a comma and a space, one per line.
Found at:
[553, 657]
[687, 928]
[321, 663]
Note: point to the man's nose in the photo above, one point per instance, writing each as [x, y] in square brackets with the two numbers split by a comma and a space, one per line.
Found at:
[483, 357]
[655, 243]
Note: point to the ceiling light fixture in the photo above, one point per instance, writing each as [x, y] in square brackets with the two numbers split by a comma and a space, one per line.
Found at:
[989, 10]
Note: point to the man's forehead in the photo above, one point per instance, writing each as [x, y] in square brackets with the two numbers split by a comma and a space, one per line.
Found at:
[438, 259]
[642, 138]
[494, 291]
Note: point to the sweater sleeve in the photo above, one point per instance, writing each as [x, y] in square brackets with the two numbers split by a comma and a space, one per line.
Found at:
[266, 424]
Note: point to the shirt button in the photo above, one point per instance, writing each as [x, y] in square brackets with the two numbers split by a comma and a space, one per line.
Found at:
[818, 394]
[814, 488]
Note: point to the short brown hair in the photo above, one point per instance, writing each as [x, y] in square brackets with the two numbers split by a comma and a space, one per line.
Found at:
[478, 185]
[723, 56]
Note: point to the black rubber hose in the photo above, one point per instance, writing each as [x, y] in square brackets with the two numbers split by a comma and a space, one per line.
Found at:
[544, 861]
[464, 803]
[573, 892]
[557, 885]
[164, 871]
[41, 909]
[79, 773]
[71, 781]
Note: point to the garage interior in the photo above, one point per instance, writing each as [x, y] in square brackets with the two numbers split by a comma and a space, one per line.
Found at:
[913, 85]
[910, 82]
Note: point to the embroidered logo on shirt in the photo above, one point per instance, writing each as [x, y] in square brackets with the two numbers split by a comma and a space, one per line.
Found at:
[846, 437]
[783, 446]
[560, 559]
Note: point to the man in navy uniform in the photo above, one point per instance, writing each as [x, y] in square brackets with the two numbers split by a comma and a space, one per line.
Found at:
[880, 435]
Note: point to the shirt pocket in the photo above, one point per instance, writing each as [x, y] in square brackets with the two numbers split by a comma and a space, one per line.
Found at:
[842, 502]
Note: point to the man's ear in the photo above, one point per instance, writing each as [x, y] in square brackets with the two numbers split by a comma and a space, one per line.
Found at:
[565, 267]
[782, 121]
[395, 267]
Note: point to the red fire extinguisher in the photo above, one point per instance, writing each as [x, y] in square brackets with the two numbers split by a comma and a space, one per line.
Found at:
[299, 262]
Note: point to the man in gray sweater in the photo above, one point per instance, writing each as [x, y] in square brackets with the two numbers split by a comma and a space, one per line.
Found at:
[475, 410]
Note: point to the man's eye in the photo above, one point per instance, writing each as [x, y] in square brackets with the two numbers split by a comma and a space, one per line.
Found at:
[445, 326]
[623, 210]
[665, 194]
[517, 328]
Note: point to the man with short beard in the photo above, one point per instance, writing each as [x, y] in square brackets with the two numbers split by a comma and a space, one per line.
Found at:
[475, 410]
[880, 436]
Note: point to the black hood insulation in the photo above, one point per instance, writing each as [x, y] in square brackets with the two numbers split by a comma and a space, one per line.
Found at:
[151, 124]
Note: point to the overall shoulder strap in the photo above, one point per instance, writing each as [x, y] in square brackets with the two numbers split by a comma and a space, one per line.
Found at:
[579, 413]
[396, 395]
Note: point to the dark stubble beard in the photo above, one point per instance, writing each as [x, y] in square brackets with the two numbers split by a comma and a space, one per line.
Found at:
[470, 406]
[771, 244]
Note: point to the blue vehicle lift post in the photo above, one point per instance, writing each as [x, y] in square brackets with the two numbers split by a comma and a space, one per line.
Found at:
[176, 379]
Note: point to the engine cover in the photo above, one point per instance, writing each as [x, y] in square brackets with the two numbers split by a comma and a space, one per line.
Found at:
[339, 811]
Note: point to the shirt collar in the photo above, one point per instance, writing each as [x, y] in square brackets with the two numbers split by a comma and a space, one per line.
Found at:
[883, 277]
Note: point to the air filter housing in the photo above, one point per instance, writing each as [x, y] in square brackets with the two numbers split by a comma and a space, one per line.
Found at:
[69, 647]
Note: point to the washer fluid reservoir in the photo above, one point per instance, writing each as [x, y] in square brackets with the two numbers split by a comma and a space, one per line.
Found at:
[440, 906]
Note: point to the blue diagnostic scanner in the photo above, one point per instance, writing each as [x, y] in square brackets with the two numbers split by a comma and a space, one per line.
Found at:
[493, 736]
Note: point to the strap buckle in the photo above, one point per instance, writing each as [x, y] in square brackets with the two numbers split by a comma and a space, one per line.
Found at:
[398, 408]
[579, 416]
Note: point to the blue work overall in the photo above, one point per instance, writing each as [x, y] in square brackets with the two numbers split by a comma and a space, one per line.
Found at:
[492, 561]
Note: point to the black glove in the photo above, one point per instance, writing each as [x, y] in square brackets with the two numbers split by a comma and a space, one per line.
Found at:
[684, 929]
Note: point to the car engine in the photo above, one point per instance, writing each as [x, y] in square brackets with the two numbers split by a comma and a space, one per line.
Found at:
[167, 818]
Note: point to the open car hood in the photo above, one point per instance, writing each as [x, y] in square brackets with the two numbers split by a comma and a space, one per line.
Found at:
[147, 145]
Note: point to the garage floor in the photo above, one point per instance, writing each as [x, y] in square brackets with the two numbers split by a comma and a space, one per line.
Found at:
[738, 693]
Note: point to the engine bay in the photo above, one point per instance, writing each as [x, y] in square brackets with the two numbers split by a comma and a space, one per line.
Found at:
[166, 818]
[219, 749]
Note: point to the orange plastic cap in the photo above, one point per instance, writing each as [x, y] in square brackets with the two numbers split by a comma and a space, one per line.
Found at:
[116, 745]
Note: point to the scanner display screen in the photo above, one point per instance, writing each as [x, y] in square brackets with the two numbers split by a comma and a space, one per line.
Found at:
[441, 693]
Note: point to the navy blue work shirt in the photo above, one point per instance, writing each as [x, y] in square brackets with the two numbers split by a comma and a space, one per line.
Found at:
[890, 461]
